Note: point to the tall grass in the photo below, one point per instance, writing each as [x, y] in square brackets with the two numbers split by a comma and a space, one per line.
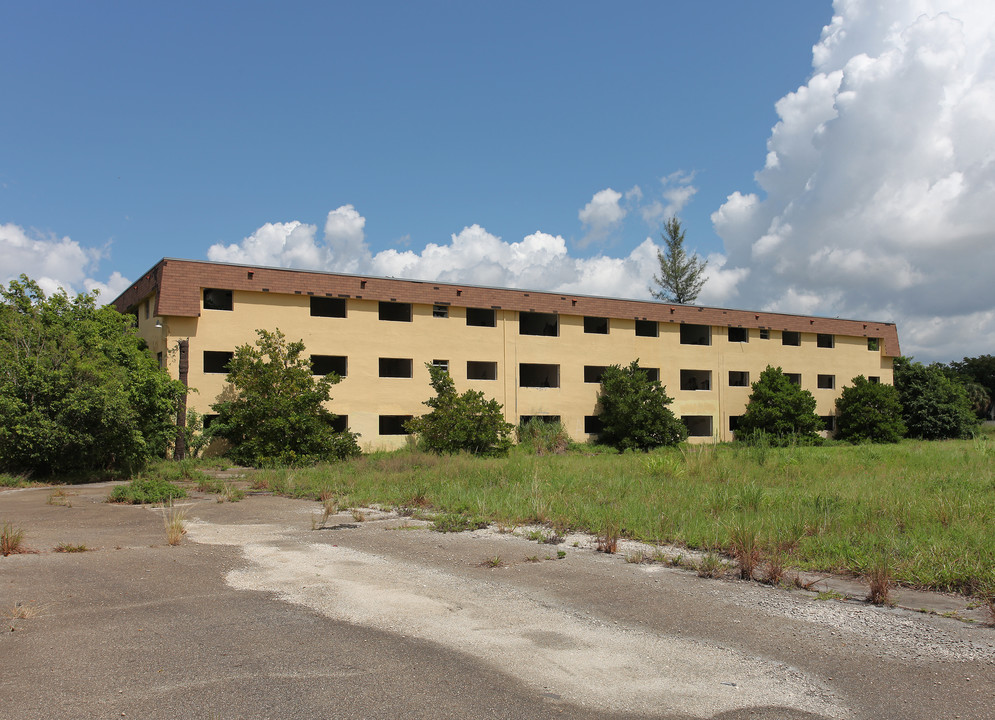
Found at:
[929, 505]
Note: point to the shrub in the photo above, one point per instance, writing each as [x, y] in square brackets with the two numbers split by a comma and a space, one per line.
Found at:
[780, 409]
[79, 391]
[633, 410]
[543, 438]
[146, 490]
[934, 407]
[869, 412]
[275, 413]
[460, 423]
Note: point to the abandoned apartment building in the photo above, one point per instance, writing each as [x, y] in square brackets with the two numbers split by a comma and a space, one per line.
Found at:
[540, 354]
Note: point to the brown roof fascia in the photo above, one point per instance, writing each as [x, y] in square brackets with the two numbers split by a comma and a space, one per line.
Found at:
[180, 283]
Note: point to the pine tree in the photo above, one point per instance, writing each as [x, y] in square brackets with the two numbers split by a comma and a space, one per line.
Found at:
[681, 276]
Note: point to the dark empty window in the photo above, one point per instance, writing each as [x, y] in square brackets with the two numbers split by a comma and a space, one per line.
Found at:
[647, 328]
[874, 380]
[593, 425]
[873, 343]
[790, 337]
[794, 378]
[826, 382]
[480, 370]
[158, 357]
[696, 335]
[209, 420]
[696, 379]
[825, 340]
[593, 373]
[481, 317]
[328, 364]
[651, 373]
[739, 378]
[393, 424]
[698, 425]
[440, 311]
[442, 364]
[734, 422]
[828, 422]
[738, 334]
[217, 299]
[395, 367]
[340, 423]
[395, 311]
[535, 323]
[327, 307]
[217, 361]
[548, 419]
[596, 325]
[538, 375]
[764, 334]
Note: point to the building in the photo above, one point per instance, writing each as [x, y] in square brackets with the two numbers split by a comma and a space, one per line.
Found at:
[538, 353]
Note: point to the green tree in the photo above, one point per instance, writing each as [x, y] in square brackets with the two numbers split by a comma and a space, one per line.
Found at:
[633, 410]
[274, 413]
[460, 423]
[980, 373]
[779, 408]
[681, 276]
[869, 412]
[79, 391]
[934, 407]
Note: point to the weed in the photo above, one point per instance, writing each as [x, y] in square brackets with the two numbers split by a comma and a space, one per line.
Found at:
[21, 611]
[143, 490]
[745, 540]
[457, 522]
[544, 537]
[259, 482]
[711, 566]
[231, 492]
[174, 521]
[358, 515]
[831, 595]
[7, 480]
[607, 541]
[774, 567]
[493, 562]
[634, 558]
[560, 554]
[67, 548]
[11, 540]
[532, 558]
[576, 543]
[543, 438]
[59, 497]
[879, 578]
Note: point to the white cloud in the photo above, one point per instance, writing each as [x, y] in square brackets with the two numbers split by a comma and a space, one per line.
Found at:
[54, 263]
[602, 215]
[877, 188]
[676, 192]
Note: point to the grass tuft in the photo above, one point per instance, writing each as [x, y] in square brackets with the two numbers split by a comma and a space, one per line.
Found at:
[607, 541]
[69, 548]
[174, 520]
[745, 540]
[59, 497]
[457, 522]
[142, 491]
[11, 540]
[711, 566]
[879, 579]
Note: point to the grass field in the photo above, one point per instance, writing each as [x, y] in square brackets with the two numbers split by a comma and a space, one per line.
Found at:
[925, 510]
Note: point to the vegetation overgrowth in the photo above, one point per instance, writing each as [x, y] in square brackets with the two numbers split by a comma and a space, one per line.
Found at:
[926, 506]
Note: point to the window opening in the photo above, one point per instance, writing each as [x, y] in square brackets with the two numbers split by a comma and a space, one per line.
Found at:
[651, 373]
[734, 422]
[596, 325]
[874, 380]
[328, 364]
[216, 361]
[696, 379]
[593, 425]
[394, 424]
[481, 370]
[825, 340]
[764, 334]
[826, 382]
[443, 364]
[738, 334]
[340, 423]
[739, 378]
[790, 337]
[215, 299]
[829, 422]
[696, 335]
[327, 307]
[647, 328]
[440, 311]
[873, 343]
[698, 425]
[593, 373]
[794, 378]
[548, 419]
[538, 375]
[395, 312]
[481, 317]
[535, 323]
[395, 367]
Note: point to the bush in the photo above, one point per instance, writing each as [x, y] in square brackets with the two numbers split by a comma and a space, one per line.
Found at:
[460, 423]
[934, 407]
[541, 437]
[869, 412]
[79, 392]
[780, 409]
[275, 413]
[147, 490]
[633, 411]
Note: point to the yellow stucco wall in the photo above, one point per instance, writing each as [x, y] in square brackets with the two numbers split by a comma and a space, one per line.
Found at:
[363, 338]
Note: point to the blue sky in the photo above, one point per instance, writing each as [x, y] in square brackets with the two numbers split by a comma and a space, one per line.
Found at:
[530, 144]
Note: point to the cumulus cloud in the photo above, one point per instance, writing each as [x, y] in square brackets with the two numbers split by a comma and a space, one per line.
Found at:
[54, 263]
[676, 192]
[875, 197]
[602, 215]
